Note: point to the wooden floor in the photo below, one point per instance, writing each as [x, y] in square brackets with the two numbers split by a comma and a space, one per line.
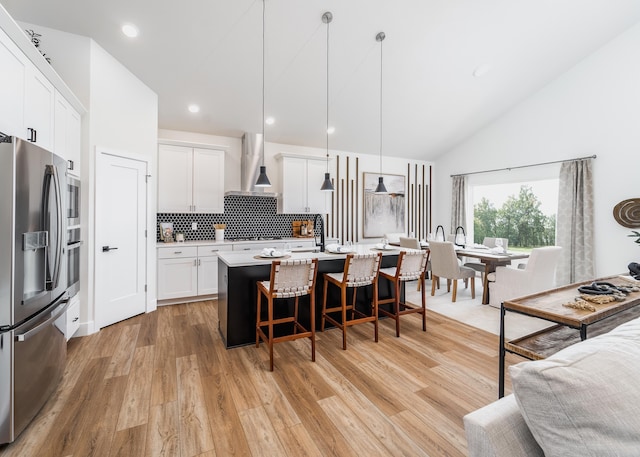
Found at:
[162, 384]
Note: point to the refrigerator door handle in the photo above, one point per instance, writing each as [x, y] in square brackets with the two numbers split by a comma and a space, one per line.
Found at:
[59, 216]
[54, 315]
[51, 175]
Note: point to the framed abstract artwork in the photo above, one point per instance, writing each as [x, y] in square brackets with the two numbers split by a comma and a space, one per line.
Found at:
[383, 213]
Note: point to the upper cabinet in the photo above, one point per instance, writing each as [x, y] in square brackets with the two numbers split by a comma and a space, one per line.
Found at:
[67, 133]
[32, 107]
[190, 180]
[39, 96]
[301, 181]
[12, 77]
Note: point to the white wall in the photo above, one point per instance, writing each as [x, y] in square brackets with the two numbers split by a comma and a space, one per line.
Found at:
[124, 117]
[594, 108]
[69, 56]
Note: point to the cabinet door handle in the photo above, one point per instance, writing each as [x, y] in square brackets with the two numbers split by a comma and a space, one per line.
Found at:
[177, 252]
[32, 134]
[198, 262]
[215, 250]
[108, 248]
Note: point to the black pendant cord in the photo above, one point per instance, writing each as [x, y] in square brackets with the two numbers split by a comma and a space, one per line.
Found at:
[381, 108]
[327, 132]
[263, 48]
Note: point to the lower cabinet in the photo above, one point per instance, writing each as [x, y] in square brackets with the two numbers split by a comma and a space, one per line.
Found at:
[188, 271]
[71, 322]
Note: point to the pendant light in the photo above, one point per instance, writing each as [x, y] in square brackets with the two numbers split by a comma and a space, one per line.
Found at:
[263, 180]
[327, 185]
[380, 188]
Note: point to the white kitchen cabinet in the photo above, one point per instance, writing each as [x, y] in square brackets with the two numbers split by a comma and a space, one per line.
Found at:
[301, 179]
[39, 96]
[188, 271]
[67, 133]
[208, 268]
[12, 77]
[190, 180]
[177, 272]
[72, 320]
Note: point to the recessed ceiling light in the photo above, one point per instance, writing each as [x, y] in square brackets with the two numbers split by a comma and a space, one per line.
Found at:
[130, 30]
[331, 130]
[269, 121]
[481, 70]
[194, 108]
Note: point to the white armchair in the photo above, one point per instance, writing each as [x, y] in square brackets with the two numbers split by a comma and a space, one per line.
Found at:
[538, 275]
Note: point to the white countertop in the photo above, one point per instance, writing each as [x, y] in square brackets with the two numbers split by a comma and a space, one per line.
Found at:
[160, 244]
[248, 258]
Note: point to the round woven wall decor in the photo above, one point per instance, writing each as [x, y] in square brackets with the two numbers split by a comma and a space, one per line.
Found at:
[627, 213]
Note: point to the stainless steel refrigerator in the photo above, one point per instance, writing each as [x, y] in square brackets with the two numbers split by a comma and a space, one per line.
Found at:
[33, 282]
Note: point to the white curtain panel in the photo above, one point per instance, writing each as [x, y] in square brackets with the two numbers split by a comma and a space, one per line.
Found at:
[574, 225]
[458, 202]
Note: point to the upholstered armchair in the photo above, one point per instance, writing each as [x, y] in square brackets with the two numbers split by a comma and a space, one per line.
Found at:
[538, 275]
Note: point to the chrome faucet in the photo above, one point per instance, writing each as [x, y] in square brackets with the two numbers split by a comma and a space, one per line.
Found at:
[315, 225]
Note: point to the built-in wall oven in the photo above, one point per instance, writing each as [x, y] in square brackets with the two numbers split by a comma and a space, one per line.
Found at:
[74, 238]
[73, 201]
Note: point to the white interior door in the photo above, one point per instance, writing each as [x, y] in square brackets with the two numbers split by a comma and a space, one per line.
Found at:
[121, 207]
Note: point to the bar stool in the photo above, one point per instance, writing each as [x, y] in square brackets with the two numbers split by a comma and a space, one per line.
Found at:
[411, 265]
[289, 279]
[359, 270]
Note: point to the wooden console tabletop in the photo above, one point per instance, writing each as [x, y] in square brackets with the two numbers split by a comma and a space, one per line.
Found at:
[548, 306]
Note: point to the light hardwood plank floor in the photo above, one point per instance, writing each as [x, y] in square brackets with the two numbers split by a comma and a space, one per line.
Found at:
[162, 384]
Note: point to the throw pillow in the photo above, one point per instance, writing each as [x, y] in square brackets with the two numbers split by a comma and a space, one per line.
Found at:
[585, 400]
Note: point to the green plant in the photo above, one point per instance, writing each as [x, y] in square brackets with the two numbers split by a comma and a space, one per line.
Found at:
[636, 235]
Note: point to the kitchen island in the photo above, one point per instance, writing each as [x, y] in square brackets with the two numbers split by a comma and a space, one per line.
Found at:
[238, 273]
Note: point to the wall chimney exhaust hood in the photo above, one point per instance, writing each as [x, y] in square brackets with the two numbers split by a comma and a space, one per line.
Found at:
[250, 162]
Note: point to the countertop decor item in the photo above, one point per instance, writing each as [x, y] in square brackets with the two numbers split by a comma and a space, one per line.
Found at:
[166, 232]
[302, 229]
[627, 213]
[219, 231]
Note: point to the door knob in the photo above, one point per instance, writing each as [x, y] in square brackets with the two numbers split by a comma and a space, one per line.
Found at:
[107, 248]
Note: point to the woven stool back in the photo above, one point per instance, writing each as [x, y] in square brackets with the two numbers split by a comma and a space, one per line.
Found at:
[292, 278]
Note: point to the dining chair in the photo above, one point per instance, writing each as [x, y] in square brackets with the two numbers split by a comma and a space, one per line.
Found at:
[537, 275]
[411, 266]
[288, 279]
[444, 264]
[360, 270]
[489, 242]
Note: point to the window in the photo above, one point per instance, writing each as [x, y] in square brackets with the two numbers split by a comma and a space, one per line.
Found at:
[516, 205]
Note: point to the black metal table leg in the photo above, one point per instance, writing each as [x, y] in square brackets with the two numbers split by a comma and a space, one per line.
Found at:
[502, 354]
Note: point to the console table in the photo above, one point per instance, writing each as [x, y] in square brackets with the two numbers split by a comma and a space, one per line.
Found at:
[548, 306]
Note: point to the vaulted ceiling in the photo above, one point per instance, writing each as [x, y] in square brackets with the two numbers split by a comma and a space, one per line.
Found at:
[209, 52]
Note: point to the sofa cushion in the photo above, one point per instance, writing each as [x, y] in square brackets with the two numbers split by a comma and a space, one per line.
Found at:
[585, 400]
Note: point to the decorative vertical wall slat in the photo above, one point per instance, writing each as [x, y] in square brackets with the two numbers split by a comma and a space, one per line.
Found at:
[356, 211]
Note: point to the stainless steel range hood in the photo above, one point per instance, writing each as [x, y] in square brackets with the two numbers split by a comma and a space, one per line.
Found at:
[250, 161]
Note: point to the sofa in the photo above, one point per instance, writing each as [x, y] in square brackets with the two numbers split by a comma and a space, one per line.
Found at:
[582, 401]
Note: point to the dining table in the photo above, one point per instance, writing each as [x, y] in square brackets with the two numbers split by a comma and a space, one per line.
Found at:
[491, 261]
